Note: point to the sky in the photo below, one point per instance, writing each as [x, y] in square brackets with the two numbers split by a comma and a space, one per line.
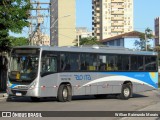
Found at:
[145, 11]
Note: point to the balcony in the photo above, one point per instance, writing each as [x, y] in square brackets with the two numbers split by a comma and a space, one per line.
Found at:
[117, 1]
[117, 18]
[117, 24]
[117, 12]
[117, 30]
[117, 6]
[97, 25]
[98, 14]
[96, 20]
[97, 9]
[98, 31]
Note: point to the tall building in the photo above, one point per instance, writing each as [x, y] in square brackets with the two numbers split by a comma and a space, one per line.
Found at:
[41, 39]
[63, 22]
[83, 32]
[111, 17]
[157, 31]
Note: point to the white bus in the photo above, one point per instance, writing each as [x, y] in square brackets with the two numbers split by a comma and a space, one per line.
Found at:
[63, 72]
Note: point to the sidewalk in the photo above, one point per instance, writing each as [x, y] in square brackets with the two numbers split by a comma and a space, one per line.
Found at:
[3, 94]
[155, 107]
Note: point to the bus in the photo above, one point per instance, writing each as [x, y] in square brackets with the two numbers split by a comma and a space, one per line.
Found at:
[62, 72]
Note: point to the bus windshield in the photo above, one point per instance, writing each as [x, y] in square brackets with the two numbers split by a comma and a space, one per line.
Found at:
[24, 65]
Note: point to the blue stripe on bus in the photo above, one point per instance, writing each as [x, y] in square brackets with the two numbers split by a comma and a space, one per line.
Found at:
[148, 77]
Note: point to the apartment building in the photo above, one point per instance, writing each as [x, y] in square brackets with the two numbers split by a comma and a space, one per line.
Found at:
[41, 39]
[63, 22]
[111, 17]
[157, 31]
[83, 32]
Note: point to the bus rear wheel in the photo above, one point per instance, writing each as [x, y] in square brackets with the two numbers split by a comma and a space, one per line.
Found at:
[125, 92]
[64, 93]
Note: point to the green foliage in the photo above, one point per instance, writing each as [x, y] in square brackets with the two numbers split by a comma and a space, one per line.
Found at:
[18, 41]
[89, 41]
[13, 17]
[144, 39]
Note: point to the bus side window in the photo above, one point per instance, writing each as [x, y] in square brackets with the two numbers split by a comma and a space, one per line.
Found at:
[84, 65]
[65, 66]
[53, 65]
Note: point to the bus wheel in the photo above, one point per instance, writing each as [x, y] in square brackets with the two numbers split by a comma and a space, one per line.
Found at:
[35, 99]
[126, 92]
[64, 93]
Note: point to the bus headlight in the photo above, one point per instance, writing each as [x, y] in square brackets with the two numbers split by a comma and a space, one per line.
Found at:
[32, 86]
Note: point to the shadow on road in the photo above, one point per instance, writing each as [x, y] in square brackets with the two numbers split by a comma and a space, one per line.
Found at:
[74, 98]
[138, 96]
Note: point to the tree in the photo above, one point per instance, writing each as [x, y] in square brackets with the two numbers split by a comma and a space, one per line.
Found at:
[13, 17]
[144, 39]
[18, 41]
[89, 41]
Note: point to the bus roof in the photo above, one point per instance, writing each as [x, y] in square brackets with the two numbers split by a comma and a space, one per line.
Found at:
[93, 49]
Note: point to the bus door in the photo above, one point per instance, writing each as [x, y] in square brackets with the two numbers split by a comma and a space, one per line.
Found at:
[48, 73]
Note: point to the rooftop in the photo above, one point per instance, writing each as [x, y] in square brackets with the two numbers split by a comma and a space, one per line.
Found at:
[132, 34]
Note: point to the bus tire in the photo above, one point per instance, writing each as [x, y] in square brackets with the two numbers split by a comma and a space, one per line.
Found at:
[35, 99]
[125, 92]
[69, 93]
[64, 93]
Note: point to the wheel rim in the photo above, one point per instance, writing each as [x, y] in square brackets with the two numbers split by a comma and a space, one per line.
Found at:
[126, 92]
[65, 93]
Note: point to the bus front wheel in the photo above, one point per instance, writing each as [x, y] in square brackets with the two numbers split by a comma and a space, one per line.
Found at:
[125, 92]
[64, 93]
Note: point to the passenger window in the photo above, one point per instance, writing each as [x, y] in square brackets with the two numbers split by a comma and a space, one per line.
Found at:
[150, 63]
[48, 63]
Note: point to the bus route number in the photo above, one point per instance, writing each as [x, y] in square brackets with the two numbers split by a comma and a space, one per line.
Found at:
[82, 77]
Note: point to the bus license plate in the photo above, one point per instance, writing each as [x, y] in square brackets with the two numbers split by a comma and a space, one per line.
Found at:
[18, 94]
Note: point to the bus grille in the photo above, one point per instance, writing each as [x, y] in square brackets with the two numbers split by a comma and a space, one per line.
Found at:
[15, 91]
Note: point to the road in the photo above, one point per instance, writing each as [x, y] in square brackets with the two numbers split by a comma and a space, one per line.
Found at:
[85, 103]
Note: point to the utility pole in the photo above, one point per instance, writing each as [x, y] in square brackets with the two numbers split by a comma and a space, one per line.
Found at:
[39, 20]
[30, 27]
[145, 39]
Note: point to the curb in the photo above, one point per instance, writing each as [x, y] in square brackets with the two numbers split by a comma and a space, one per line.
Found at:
[5, 95]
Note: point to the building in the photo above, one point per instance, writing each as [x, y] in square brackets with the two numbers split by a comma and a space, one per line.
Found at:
[63, 22]
[111, 17]
[83, 32]
[41, 39]
[157, 31]
[126, 40]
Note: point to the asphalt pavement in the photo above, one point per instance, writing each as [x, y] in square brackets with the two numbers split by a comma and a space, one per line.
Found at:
[153, 107]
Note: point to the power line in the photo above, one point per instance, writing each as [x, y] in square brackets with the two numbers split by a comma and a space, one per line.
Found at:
[39, 20]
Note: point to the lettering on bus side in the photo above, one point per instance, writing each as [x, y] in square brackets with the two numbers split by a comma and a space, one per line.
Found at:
[82, 77]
